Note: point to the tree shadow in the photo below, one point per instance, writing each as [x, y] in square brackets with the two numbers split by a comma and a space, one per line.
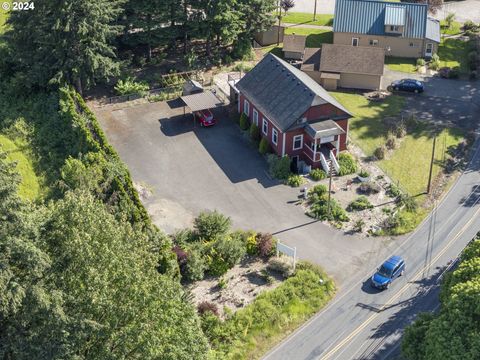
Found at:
[316, 40]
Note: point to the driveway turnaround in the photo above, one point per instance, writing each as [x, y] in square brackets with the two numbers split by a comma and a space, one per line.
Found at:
[190, 169]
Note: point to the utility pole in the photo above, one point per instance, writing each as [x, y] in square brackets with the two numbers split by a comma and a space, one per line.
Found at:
[431, 164]
[279, 21]
[329, 208]
[315, 11]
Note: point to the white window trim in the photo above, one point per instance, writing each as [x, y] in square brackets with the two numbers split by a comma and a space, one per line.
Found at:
[275, 136]
[255, 116]
[373, 42]
[265, 126]
[246, 107]
[301, 142]
[355, 38]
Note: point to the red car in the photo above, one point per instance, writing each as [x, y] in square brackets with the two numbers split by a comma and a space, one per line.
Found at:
[205, 117]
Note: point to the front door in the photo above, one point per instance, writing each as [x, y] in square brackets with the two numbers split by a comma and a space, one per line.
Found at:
[294, 165]
[429, 50]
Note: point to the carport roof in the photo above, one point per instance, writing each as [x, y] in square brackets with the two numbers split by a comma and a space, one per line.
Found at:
[201, 101]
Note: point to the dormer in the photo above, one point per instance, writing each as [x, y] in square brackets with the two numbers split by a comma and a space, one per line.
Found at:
[394, 19]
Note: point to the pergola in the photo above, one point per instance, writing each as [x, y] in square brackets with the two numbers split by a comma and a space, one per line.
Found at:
[202, 101]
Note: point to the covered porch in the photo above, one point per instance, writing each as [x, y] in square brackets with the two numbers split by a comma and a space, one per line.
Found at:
[322, 144]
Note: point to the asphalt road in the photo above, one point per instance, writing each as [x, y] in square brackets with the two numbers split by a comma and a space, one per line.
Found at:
[362, 323]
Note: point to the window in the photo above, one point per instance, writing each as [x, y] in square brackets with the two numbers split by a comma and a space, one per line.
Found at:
[265, 126]
[394, 28]
[373, 42]
[246, 107]
[412, 44]
[274, 136]
[297, 142]
[355, 41]
[255, 117]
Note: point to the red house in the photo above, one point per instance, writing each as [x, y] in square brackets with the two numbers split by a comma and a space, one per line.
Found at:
[297, 116]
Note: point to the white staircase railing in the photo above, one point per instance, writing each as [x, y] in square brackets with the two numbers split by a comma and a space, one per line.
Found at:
[336, 166]
[324, 163]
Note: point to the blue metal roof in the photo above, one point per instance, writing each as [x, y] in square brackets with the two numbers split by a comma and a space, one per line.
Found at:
[370, 16]
[394, 15]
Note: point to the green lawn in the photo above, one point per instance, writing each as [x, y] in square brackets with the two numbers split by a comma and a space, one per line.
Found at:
[454, 52]
[29, 188]
[407, 65]
[3, 17]
[305, 18]
[454, 29]
[315, 37]
[409, 164]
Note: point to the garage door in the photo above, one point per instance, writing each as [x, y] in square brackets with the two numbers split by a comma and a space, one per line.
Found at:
[357, 81]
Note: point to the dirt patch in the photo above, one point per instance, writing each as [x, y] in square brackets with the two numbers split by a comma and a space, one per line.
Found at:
[243, 283]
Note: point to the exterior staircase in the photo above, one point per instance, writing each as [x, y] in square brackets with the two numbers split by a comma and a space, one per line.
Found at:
[326, 153]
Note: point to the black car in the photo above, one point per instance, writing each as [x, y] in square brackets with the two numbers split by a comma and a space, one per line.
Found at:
[410, 85]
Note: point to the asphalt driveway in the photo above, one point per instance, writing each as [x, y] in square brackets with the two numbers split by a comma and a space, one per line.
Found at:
[190, 169]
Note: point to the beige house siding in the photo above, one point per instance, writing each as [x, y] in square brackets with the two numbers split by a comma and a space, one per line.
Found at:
[360, 81]
[399, 46]
[329, 84]
[315, 75]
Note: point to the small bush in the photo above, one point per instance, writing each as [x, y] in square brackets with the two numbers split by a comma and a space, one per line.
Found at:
[435, 62]
[225, 253]
[255, 133]
[469, 25]
[393, 191]
[318, 174]
[182, 237]
[244, 123]
[251, 244]
[131, 87]
[222, 283]
[408, 202]
[318, 192]
[400, 130]
[195, 267]
[360, 203]
[279, 167]
[266, 245]
[358, 225]
[207, 306]
[319, 210]
[420, 62]
[364, 173]
[182, 257]
[347, 163]
[264, 146]
[391, 142]
[211, 225]
[295, 180]
[242, 67]
[380, 152]
[369, 188]
[281, 265]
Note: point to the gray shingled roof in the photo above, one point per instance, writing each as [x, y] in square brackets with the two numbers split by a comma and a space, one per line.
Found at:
[323, 129]
[294, 43]
[282, 92]
[311, 59]
[352, 59]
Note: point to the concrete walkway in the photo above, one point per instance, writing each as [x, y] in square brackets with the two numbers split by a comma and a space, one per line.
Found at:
[308, 26]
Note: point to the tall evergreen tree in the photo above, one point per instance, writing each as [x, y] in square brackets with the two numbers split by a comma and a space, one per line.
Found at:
[65, 42]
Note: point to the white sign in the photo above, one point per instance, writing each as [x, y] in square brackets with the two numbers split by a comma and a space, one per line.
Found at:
[287, 250]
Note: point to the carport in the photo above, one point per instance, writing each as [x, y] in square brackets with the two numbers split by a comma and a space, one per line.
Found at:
[202, 101]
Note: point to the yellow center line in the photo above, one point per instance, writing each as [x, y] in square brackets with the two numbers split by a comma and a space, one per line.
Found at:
[400, 292]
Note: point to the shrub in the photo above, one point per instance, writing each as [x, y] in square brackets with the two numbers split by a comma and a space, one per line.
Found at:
[469, 25]
[281, 265]
[182, 257]
[473, 75]
[347, 163]
[242, 50]
[251, 244]
[360, 203]
[400, 130]
[408, 202]
[393, 191]
[279, 167]
[182, 237]
[369, 188]
[255, 133]
[264, 146]
[358, 225]
[319, 210]
[364, 173]
[391, 142]
[266, 245]
[242, 67]
[454, 73]
[244, 123]
[207, 306]
[317, 192]
[295, 180]
[318, 174]
[130, 87]
[211, 225]
[222, 283]
[380, 152]
[435, 62]
[190, 59]
[195, 267]
[420, 62]
[224, 253]
[449, 19]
